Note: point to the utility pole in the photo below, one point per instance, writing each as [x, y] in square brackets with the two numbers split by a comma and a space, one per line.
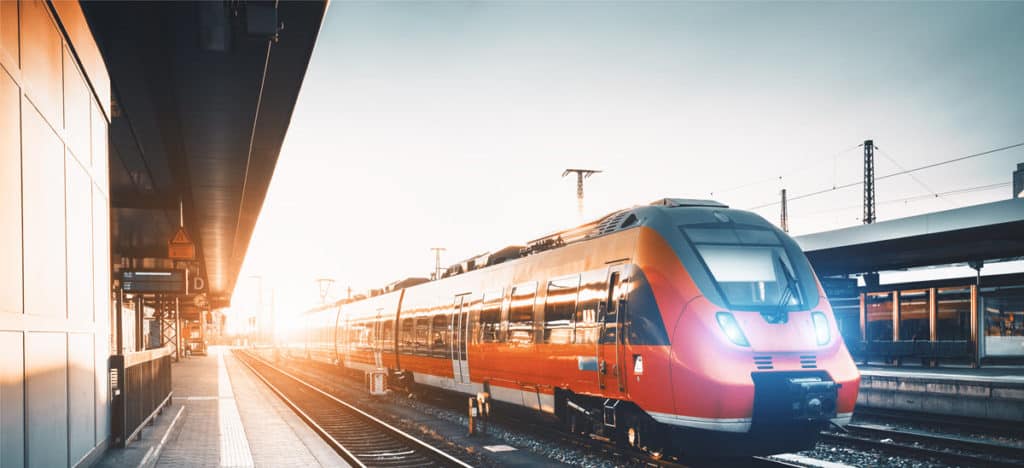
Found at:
[580, 175]
[869, 181]
[785, 213]
[437, 261]
[325, 287]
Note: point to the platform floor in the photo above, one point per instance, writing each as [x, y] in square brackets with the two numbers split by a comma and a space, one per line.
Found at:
[223, 416]
[992, 374]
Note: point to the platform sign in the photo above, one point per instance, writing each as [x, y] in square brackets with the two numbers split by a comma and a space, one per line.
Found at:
[153, 281]
[181, 247]
[840, 288]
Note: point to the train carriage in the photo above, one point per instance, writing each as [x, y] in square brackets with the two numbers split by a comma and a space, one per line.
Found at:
[682, 324]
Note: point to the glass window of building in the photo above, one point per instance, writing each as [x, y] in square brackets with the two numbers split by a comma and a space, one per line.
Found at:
[953, 314]
[914, 315]
[1004, 321]
[879, 316]
[559, 309]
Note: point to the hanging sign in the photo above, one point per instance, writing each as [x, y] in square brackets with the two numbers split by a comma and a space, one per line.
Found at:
[153, 281]
[180, 247]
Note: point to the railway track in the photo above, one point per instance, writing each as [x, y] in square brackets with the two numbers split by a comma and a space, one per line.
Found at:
[918, 444]
[360, 438]
[513, 420]
[1009, 428]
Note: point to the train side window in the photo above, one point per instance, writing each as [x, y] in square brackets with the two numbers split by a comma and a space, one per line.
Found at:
[422, 332]
[387, 332]
[405, 336]
[353, 335]
[520, 313]
[612, 309]
[559, 309]
[440, 330]
[592, 291]
[490, 318]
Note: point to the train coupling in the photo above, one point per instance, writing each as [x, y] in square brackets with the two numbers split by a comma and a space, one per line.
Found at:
[781, 396]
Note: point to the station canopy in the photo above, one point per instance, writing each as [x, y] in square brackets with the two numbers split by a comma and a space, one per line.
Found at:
[991, 231]
[202, 94]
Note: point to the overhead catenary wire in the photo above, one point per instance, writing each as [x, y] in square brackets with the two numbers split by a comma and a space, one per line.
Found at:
[926, 188]
[894, 174]
[780, 177]
[978, 188]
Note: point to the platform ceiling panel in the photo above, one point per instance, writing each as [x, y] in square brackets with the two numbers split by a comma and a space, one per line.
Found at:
[203, 96]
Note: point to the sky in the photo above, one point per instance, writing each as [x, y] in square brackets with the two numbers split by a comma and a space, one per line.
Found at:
[448, 124]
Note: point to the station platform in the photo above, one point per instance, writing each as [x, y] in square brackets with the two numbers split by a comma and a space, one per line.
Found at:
[984, 393]
[221, 416]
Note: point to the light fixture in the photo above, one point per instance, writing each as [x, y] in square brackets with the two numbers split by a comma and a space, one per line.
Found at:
[731, 328]
[821, 331]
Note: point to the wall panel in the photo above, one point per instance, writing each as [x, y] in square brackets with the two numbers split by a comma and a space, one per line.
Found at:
[41, 59]
[103, 309]
[79, 242]
[82, 395]
[9, 32]
[54, 239]
[99, 147]
[12, 394]
[43, 198]
[77, 110]
[10, 201]
[46, 396]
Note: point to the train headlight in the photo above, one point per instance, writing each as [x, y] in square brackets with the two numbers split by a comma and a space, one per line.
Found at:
[821, 332]
[731, 328]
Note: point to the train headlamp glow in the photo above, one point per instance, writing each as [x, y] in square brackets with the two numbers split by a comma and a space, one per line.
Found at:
[731, 328]
[821, 332]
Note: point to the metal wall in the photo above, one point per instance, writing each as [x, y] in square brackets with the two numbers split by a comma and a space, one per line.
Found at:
[54, 237]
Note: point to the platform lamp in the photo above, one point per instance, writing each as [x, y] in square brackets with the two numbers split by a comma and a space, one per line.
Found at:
[325, 287]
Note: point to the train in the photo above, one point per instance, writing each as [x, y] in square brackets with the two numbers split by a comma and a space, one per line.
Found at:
[681, 326]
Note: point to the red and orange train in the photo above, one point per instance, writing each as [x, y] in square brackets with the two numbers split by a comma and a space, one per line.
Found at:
[678, 326]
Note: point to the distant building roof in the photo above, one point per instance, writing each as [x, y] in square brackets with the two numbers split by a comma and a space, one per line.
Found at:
[980, 232]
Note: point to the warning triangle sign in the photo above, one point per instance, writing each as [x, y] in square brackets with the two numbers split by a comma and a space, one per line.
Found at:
[180, 246]
[181, 237]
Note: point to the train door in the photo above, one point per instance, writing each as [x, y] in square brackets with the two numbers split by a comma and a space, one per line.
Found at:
[609, 342]
[460, 334]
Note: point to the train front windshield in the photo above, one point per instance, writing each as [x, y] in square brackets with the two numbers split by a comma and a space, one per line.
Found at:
[750, 267]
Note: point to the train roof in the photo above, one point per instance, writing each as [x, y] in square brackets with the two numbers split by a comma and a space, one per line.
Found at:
[612, 222]
[607, 224]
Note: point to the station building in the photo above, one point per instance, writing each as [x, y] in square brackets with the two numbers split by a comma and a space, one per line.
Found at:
[943, 288]
[54, 236]
[120, 123]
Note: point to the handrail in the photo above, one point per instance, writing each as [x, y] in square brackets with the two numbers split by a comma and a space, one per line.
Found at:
[139, 357]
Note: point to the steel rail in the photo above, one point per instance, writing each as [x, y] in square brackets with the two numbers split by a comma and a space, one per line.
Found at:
[986, 448]
[915, 451]
[387, 431]
[997, 426]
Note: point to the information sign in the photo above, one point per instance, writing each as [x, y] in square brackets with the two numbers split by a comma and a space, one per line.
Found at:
[153, 281]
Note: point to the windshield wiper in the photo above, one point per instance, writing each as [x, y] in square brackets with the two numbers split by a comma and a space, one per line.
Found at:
[791, 287]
